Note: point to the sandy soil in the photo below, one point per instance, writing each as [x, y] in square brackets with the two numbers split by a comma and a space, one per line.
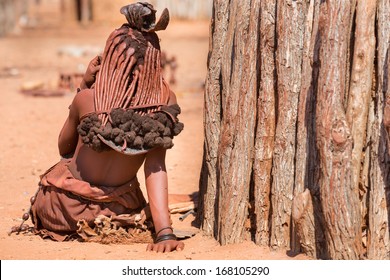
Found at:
[30, 127]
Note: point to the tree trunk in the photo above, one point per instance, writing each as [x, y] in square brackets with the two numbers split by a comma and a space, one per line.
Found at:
[291, 16]
[340, 201]
[306, 154]
[361, 83]
[360, 94]
[378, 245]
[238, 120]
[212, 120]
[265, 131]
[293, 142]
[303, 220]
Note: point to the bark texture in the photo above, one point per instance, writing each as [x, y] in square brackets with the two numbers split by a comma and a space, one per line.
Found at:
[212, 119]
[303, 220]
[361, 82]
[297, 125]
[238, 120]
[339, 200]
[266, 121]
[306, 159]
[378, 245]
[291, 16]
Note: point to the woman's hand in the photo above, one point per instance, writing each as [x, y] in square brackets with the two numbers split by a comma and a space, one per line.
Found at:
[89, 77]
[166, 246]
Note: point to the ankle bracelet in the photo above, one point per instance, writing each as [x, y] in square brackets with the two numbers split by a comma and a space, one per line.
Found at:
[163, 229]
[164, 237]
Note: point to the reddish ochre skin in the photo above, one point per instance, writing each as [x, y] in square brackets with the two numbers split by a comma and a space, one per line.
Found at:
[111, 168]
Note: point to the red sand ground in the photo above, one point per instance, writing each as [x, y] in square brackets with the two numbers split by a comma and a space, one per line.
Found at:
[30, 127]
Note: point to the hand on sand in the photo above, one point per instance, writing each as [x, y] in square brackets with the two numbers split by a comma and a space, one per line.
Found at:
[166, 246]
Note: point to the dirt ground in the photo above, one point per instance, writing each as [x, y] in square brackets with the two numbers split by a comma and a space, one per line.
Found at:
[30, 127]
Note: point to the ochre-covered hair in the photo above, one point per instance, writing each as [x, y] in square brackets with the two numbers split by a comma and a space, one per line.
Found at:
[130, 75]
[131, 97]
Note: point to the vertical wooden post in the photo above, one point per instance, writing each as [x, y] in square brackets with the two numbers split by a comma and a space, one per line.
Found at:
[265, 130]
[340, 202]
[235, 157]
[378, 243]
[208, 207]
[291, 16]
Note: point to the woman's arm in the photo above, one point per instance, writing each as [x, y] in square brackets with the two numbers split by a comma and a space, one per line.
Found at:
[157, 188]
[67, 140]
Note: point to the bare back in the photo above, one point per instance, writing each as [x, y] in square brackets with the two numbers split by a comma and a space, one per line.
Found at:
[108, 168]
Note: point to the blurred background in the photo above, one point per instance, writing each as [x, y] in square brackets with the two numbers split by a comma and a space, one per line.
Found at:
[91, 20]
[15, 14]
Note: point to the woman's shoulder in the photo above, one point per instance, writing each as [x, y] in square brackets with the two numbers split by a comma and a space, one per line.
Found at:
[84, 102]
[84, 96]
